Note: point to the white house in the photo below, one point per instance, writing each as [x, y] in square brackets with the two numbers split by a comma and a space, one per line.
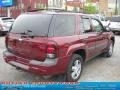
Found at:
[58, 4]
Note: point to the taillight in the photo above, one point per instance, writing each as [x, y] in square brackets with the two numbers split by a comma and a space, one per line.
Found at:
[51, 50]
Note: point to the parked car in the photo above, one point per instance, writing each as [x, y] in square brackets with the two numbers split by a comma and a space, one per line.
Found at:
[114, 23]
[56, 43]
[5, 24]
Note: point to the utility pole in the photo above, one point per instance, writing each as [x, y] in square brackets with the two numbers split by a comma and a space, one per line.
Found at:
[116, 7]
[119, 7]
[21, 4]
[8, 11]
[66, 5]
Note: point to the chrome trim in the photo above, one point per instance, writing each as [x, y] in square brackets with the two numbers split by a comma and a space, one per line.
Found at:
[96, 46]
[19, 65]
[51, 56]
[47, 62]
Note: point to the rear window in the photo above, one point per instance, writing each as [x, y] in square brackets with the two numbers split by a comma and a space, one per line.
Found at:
[38, 24]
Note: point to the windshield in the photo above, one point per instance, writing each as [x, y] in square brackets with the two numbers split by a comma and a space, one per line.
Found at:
[37, 24]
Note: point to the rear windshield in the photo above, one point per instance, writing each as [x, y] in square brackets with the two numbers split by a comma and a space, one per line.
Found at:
[38, 24]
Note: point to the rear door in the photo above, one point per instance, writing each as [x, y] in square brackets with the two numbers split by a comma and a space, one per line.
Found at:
[101, 36]
[87, 36]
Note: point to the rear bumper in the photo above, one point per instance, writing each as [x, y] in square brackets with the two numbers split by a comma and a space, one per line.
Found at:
[48, 67]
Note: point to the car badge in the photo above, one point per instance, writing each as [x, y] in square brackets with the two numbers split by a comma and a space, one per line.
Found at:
[20, 39]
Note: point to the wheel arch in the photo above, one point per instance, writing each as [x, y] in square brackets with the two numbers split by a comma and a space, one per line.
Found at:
[113, 40]
[81, 52]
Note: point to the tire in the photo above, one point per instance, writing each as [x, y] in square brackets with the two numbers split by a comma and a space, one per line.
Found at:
[0, 33]
[109, 52]
[74, 69]
[117, 32]
[59, 78]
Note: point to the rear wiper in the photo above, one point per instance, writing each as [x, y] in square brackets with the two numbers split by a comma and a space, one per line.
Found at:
[26, 34]
[29, 31]
[31, 35]
[23, 33]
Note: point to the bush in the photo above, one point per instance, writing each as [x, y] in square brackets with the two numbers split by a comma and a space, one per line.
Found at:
[90, 9]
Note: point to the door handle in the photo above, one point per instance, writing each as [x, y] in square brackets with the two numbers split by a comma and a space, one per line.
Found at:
[67, 44]
[84, 41]
[103, 38]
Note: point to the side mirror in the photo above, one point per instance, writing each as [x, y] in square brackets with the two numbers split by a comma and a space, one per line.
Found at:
[107, 29]
[108, 23]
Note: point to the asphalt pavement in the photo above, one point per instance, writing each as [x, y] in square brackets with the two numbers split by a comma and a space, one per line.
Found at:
[99, 69]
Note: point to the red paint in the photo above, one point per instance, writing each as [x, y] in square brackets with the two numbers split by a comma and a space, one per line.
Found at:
[63, 47]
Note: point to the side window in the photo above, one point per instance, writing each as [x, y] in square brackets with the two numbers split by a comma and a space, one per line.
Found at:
[97, 27]
[87, 25]
[64, 25]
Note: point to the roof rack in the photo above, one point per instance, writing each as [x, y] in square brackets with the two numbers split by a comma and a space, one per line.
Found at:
[53, 10]
[35, 10]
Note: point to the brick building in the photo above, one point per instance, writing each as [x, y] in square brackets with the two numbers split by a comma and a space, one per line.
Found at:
[22, 6]
[102, 5]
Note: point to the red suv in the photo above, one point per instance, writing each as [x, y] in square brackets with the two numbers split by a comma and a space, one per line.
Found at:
[56, 43]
